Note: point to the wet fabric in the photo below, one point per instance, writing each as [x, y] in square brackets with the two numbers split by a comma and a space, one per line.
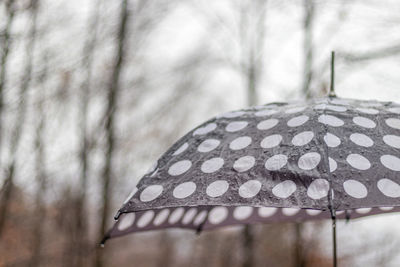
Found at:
[275, 162]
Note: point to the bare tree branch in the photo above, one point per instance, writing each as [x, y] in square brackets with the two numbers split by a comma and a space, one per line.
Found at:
[379, 53]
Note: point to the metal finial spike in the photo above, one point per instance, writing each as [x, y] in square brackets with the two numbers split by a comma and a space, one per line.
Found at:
[116, 217]
[332, 89]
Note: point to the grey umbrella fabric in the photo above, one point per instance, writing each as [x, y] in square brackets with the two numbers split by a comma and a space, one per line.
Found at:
[271, 163]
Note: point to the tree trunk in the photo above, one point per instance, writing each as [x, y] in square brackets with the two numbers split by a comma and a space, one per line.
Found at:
[3, 66]
[109, 117]
[300, 259]
[252, 42]
[308, 47]
[41, 176]
[20, 120]
[299, 248]
[79, 241]
[165, 257]
[248, 246]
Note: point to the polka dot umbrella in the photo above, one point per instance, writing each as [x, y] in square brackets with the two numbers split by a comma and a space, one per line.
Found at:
[323, 158]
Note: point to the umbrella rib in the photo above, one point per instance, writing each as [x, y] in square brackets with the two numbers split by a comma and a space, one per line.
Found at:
[200, 227]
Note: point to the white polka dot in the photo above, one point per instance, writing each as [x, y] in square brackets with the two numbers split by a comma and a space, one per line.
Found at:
[267, 124]
[313, 212]
[392, 140]
[355, 189]
[189, 215]
[126, 221]
[266, 211]
[133, 192]
[331, 107]
[232, 114]
[394, 110]
[295, 110]
[184, 190]
[297, 121]
[145, 219]
[249, 189]
[391, 162]
[331, 140]
[303, 138]
[266, 112]
[364, 122]
[271, 141]
[359, 162]
[218, 215]
[290, 211]
[330, 120]
[309, 161]
[320, 106]
[321, 101]
[212, 165]
[200, 218]
[284, 189]
[389, 188]
[181, 149]
[176, 215]
[276, 162]
[161, 217]
[370, 104]
[363, 210]
[206, 129]
[361, 140]
[236, 126]
[368, 110]
[394, 123]
[386, 208]
[151, 192]
[318, 189]
[332, 165]
[208, 145]
[242, 213]
[217, 188]
[179, 167]
[240, 143]
[339, 212]
[273, 105]
[244, 163]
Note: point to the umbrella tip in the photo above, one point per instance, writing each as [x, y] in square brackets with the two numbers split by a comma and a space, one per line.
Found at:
[103, 241]
[332, 89]
[105, 238]
[116, 217]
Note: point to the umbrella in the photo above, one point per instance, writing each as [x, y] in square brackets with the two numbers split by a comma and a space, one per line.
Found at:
[322, 158]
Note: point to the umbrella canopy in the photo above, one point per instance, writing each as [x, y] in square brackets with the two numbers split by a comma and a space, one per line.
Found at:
[275, 162]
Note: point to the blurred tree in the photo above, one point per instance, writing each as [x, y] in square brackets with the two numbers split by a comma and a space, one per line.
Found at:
[6, 45]
[79, 242]
[308, 47]
[109, 127]
[19, 122]
[252, 36]
[41, 176]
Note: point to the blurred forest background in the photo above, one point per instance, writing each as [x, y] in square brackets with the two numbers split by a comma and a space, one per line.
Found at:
[93, 91]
